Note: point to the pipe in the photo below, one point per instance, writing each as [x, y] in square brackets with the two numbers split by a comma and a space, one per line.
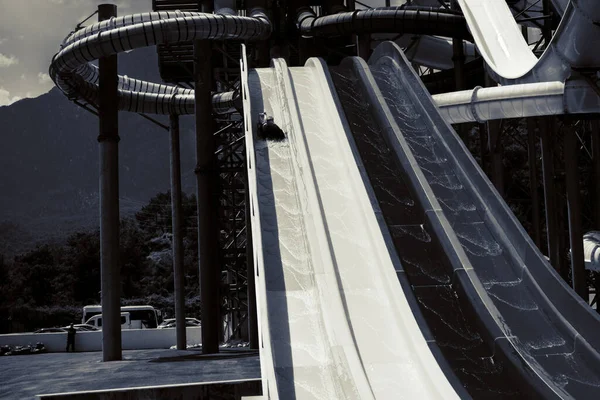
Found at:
[382, 20]
[72, 72]
[517, 101]
[483, 104]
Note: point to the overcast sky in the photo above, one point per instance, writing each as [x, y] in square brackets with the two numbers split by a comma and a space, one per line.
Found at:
[30, 34]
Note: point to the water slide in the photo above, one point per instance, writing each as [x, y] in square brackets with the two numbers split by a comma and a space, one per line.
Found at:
[486, 292]
[391, 214]
[334, 321]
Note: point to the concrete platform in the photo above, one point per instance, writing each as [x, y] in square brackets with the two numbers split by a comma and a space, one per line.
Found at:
[25, 377]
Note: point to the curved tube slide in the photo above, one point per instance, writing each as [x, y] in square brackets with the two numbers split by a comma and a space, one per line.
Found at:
[72, 72]
[545, 323]
[334, 323]
[382, 20]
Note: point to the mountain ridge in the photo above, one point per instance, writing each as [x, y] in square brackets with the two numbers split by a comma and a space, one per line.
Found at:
[49, 164]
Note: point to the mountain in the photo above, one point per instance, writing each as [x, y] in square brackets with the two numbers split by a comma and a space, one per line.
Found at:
[49, 162]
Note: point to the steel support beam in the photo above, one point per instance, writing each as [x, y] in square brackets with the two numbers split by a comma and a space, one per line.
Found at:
[571, 153]
[207, 192]
[546, 138]
[108, 143]
[177, 230]
[536, 224]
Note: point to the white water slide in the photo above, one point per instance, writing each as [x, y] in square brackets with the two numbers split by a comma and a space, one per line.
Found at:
[334, 322]
[500, 41]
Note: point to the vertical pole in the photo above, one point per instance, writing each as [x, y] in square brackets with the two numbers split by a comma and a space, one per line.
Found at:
[458, 57]
[108, 143]
[177, 241]
[206, 186]
[574, 208]
[536, 227]
[252, 317]
[546, 137]
[595, 125]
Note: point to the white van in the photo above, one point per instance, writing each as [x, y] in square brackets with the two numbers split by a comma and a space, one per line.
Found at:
[142, 316]
[96, 321]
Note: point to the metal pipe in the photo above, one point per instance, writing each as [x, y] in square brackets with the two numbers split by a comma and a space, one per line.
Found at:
[546, 128]
[206, 186]
[108, 144]
[177, 231]
[574, 208]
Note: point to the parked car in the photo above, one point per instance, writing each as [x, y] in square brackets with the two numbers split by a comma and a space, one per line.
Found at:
[50, 330]
[170, 323]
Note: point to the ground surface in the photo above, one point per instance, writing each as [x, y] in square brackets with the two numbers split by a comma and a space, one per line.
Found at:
[24, 377]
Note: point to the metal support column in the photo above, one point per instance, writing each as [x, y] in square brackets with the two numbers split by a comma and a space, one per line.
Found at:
[458, 58]
[546, 137]
[177, 240]
[536, 225]
[571, 150]
[207, 190]
[108, 140]
[595, 125]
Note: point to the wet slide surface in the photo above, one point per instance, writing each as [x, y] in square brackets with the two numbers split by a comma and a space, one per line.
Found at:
[334, 322]
[447, 317]
[500, 316]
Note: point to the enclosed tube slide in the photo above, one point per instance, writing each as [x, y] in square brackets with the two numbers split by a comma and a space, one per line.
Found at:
[73, 73]
[382, 20]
